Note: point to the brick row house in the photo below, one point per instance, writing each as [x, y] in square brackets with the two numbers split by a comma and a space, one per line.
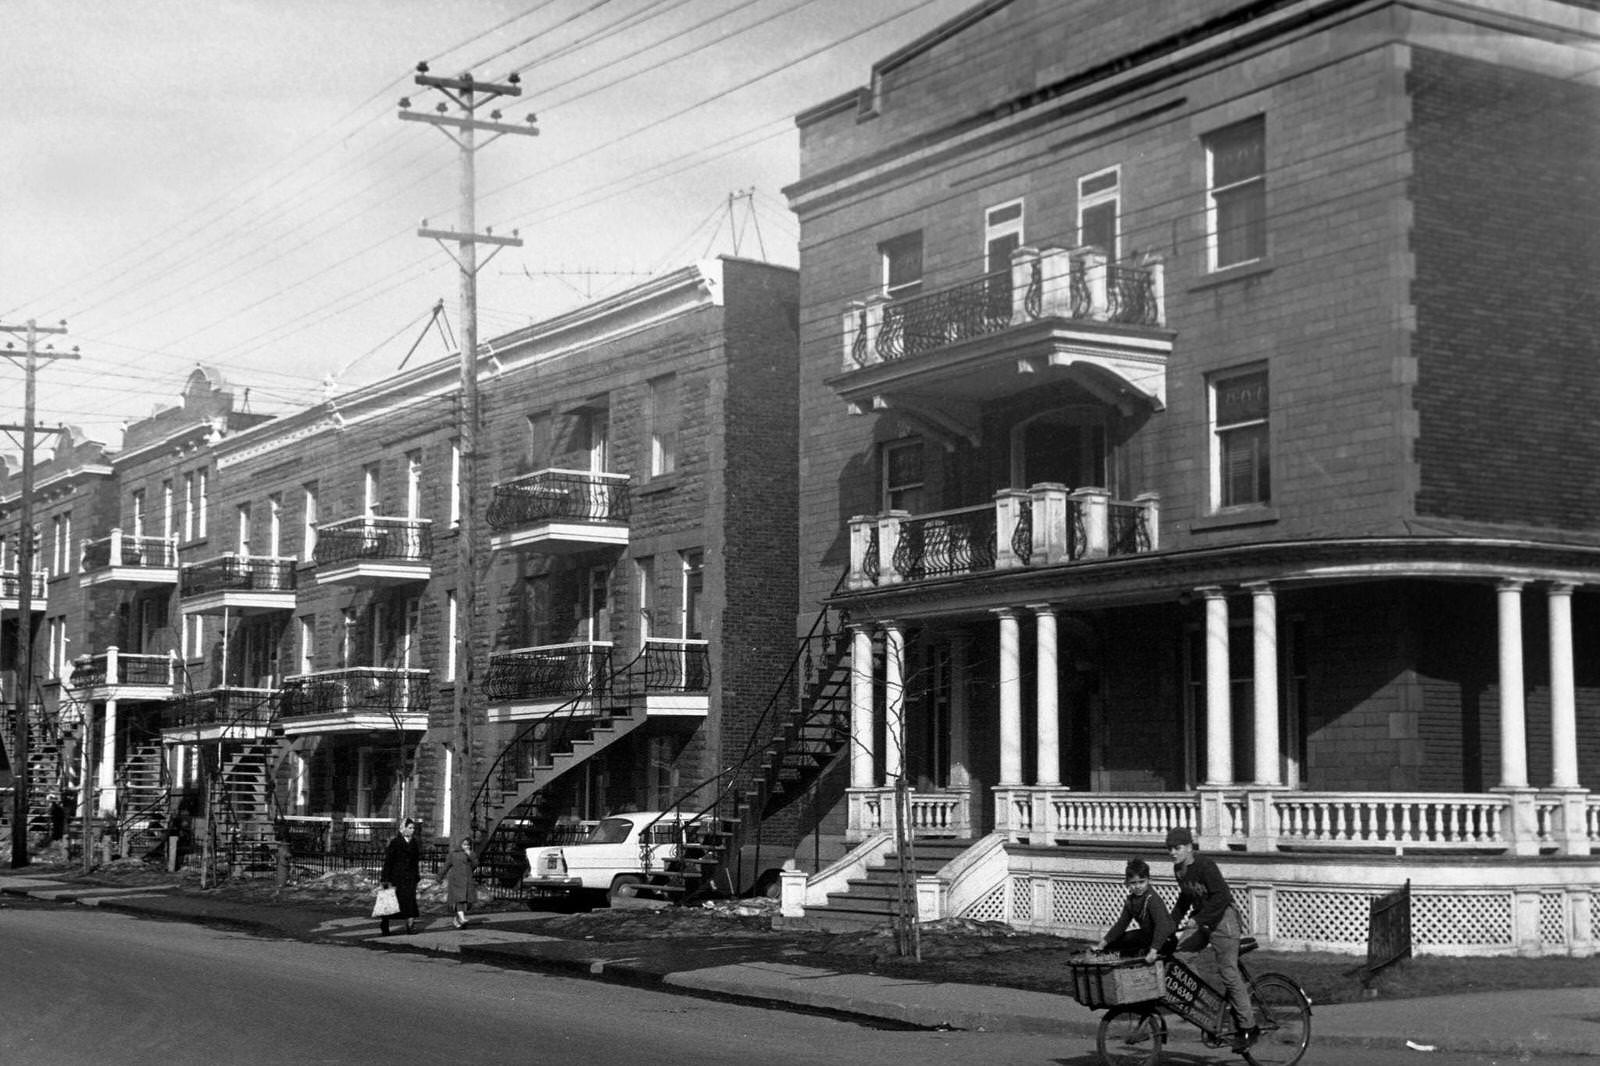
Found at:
[264, 613]
[1197, 406]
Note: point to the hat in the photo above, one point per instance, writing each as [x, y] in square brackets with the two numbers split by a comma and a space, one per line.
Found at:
[1179, 835]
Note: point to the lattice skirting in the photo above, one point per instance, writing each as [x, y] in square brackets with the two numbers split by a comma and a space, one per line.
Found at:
[1465, 921]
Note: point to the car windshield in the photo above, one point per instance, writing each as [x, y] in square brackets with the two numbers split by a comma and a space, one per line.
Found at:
[610, 831]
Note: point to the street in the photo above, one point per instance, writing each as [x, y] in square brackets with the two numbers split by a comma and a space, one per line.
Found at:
[83, 985]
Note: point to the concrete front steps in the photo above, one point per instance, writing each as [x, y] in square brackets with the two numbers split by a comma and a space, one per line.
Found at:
[871, 900]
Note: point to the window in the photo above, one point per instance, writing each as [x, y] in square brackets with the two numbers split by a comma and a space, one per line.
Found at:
[308, 530]
[597, 609]
[138, 512]
[58, 646]
[193, 643]
[597, 431]
[694, 583]
[451, 635]
[1240, 454]
[349, 623]
[539, 440]
[414, 484]
[1002, 235]
[190, 501]
[1099, 208]
[661, 412]
[202, 480]
[902, 265]
[1236, 198]
[369, 489]
[455, 481]
[166, 509]
[902, 476]
[61, 545]
[644, 571]
[275, 524]
[308, 642]
[244, 529]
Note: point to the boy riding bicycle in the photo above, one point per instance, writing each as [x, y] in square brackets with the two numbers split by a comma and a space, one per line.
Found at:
[1204, 893]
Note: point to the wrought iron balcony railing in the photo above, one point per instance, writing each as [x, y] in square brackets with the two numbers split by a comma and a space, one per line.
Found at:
[1042, 283]
[559, 496]
[11, 586]
[551, 671]
[374, 537]
[379, 690]
[231, 573]
[125, 549]
[227, 705]
[116, 667]
[672, 665]
[1041, 526]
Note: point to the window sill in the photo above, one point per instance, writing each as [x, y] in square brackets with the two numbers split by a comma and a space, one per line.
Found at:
[1234, 273]
[1242, 516]
[662, 483]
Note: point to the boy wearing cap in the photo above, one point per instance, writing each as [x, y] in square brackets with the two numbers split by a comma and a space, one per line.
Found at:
[1204, 893]
[1143, 909]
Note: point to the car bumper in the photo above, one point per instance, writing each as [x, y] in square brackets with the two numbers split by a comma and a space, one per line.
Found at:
[553, 884]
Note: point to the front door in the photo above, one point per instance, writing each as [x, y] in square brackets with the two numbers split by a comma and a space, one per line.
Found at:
[1065, 447]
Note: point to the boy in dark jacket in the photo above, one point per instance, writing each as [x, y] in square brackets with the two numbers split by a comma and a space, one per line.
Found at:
[1143, 909]
[1204, 893]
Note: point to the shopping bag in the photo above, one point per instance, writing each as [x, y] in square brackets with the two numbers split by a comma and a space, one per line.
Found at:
[386, 903]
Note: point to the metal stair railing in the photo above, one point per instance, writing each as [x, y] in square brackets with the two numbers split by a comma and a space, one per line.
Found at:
[719, 830]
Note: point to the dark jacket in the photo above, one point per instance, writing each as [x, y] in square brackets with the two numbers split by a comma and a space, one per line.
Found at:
[402, 869]
[457, 878]
[1148, 911]
[1203, 890]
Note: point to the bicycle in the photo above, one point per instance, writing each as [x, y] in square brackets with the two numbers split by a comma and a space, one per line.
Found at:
[1139, 995]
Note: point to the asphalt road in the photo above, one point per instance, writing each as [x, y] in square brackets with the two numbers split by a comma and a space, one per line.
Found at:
[80, 986]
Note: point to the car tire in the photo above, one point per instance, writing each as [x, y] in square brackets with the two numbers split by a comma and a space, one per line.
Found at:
[616, 886]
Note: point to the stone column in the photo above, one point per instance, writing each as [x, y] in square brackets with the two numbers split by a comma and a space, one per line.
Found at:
[1563, 703]
[1513, 723]
[1046, 701]
[863, 720]
[108, 760]
[1219, 703]
[894, 703]
[1010, 700]
[1265, 625]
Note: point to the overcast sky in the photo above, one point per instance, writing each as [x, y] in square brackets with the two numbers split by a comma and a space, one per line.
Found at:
[226, 183]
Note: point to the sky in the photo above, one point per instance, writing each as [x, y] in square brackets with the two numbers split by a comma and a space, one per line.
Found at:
[227, 184]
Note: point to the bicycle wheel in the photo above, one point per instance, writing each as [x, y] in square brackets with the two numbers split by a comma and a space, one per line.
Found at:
[1284, 1014]
[1131, 1036]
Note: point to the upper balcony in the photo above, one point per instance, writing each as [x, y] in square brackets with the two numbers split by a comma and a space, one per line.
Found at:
[238, 583]
[1042, 526]
[1055, 315]
[673, 675]
[560, 511]
[372, 551]
[11, 591]
[228, 712]
[355, 699]
[123, 560]
[118, 675]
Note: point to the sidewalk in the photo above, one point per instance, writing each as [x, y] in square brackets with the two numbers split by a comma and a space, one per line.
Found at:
[1546, 1021]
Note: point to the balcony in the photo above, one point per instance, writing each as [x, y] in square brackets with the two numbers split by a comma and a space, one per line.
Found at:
[11, 591]
[356, 699]
[229, 712]
[123, 560]
[237, 583]
[1042, 526]
[372, 551]
[560, 511]
[1056, 315]
[671, 675]
[118, 675]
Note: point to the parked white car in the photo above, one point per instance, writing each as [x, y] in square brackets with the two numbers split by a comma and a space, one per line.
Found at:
[611, 856]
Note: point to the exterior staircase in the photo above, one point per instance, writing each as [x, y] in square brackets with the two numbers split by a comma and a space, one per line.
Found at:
[790, 752]
[240, 804]
[44, 765]
[874, 899]
[143, 797]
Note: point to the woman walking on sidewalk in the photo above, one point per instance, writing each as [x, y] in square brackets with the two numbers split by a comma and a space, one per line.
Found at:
[460, 891]
[401, 871]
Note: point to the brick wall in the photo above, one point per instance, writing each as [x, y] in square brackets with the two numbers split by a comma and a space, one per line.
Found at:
[1507, 328]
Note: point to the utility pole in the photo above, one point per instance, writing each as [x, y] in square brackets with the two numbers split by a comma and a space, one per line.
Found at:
[467, 94]
[19, 747]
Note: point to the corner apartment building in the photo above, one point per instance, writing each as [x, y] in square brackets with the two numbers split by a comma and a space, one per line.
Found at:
[288, 595]
[1196, 401]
